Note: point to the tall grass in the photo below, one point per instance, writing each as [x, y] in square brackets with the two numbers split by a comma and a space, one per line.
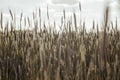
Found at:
[47, 54]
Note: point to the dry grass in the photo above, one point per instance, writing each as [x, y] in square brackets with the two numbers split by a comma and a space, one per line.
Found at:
[45, 54]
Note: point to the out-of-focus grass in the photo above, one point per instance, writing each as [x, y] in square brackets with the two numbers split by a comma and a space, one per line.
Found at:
[68, 54]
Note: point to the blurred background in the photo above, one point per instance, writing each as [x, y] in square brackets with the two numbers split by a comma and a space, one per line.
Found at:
[91, 9]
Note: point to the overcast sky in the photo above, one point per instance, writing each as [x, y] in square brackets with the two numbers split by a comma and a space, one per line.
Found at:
[91, 9]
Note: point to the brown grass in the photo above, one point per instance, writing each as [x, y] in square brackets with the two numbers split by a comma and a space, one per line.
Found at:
[49, 54]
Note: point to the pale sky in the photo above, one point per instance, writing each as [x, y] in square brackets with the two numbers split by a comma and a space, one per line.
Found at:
[91, 9]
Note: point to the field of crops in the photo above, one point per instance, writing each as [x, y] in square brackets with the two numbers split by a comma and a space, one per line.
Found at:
[69, 53]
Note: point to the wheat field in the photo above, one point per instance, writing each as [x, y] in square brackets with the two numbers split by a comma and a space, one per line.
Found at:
[70, 53]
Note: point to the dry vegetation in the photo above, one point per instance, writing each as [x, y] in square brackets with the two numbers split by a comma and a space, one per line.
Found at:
[68, 54]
